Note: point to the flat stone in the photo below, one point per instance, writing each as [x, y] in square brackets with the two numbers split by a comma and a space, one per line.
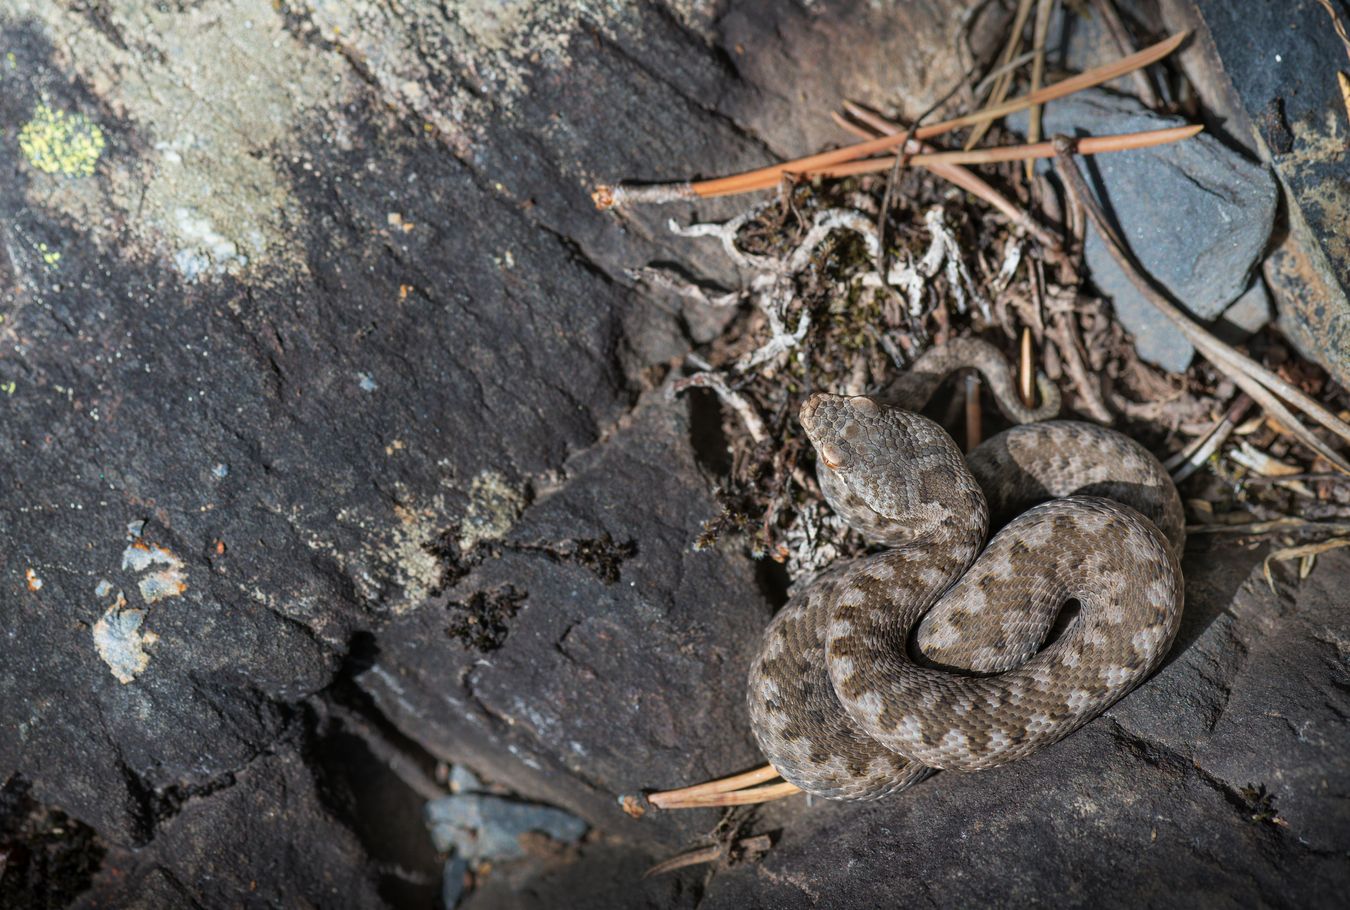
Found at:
[1196, 214]
[226, 848]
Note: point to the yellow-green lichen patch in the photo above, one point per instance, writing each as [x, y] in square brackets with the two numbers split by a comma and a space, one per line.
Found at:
[220, 101]
[59, 142]
[494, 506]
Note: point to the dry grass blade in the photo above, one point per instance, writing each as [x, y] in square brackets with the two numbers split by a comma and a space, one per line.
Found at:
[606, 196]
[1120, 36]
[1304, 553]
[1254, 379]
[1039, 33]
[1089, 145]
[1004, 81]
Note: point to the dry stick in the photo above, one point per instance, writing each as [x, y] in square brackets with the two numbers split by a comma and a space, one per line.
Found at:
[1004, 82]
[1307, 478]
[1063, 328]
[1188, 460]
[1254, 379]
[1039, 32]
[967, 180]
[1120, 36]
[736, 797]
[721, 785]
[768, 177]
[1285, 525]
[690, 858]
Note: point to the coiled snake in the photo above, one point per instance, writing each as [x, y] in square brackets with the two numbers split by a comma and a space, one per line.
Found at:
[840, 701]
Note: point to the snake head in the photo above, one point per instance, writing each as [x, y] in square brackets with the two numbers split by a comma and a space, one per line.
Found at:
[860, 444]
[889, 473]
[838, 428]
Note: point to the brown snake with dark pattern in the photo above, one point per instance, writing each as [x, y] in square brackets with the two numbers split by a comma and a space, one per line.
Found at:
[929, 654]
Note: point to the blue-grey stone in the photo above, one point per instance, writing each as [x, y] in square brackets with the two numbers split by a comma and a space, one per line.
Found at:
[477, 825]
[1246, 315]
[1196, 214]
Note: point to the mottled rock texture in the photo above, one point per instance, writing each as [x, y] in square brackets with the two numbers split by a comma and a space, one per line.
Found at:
[330, 426]
[1266, 76]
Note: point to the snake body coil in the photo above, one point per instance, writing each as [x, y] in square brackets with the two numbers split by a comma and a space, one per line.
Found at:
[839, 703]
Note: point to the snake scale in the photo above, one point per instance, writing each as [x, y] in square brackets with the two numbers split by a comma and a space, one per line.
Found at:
[928, 654]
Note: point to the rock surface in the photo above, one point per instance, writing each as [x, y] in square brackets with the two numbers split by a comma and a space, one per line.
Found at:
[1196, 214]
[1266, 74]
[333, 451]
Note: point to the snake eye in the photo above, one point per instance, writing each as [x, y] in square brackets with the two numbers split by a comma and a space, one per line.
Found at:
[865, 406]
[833, 456]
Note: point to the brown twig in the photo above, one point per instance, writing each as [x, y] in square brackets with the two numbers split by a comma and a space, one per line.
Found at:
[690, 858]
[1309, 477]
[768, 177]
[1088, 145]
[1062, 328]
[965, 179]
[1292, 525]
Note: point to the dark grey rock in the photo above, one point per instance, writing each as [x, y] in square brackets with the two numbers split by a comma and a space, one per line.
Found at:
[618, 673]
[1196, 214]
[233, 848]
[1266, 75]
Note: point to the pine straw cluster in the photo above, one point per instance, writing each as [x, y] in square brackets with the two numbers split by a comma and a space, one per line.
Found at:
[820, 319]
